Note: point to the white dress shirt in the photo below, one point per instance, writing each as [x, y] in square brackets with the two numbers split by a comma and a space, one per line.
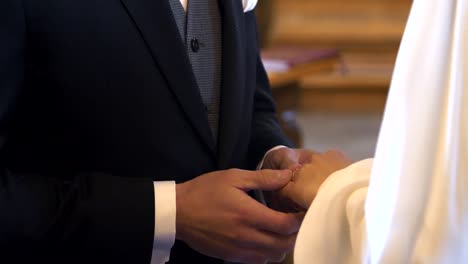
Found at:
[165, 198]
[184, 4]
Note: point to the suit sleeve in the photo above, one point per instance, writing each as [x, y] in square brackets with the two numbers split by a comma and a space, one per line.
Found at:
[92, 217]
[266, 131]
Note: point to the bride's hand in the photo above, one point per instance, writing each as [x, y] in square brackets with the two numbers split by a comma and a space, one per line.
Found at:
[306, 181]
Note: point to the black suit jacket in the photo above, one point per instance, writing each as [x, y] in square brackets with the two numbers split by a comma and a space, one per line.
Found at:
[97, 100]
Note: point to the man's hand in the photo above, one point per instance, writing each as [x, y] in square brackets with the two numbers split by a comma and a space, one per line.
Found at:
[293, 199]
[287, 158]
[306, 182]
[216, 217]
[280, 159]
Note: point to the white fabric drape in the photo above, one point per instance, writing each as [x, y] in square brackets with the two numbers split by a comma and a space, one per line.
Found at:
[416, 209]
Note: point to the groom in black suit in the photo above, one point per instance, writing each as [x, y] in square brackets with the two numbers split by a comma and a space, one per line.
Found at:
[99, 99]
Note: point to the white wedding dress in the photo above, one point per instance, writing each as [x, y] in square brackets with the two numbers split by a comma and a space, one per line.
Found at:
[409, 204]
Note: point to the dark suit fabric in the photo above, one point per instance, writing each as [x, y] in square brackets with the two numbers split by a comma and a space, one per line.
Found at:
[97, 101]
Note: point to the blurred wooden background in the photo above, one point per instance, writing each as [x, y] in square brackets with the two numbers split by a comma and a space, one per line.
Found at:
[345, 24]
[366, 33]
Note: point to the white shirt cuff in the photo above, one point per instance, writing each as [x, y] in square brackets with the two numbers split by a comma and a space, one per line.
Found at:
[164, 221]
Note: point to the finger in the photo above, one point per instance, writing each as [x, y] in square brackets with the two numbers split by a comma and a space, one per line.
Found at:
[257, 246]
[277, 254]
[306, 156]
[297, 158]
[292, 165]
[269, 242]
[252, 256]
[260, 256]
[290, 160]
[295, 172]
[266, 180]
[297, 195]
[264, 218]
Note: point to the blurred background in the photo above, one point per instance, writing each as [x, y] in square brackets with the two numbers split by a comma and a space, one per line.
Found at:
[330, 64]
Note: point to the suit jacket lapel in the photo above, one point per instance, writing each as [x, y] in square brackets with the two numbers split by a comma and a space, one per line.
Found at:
[233, 78]
[157, 25]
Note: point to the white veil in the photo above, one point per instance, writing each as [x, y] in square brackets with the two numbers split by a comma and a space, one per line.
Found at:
[417, 204]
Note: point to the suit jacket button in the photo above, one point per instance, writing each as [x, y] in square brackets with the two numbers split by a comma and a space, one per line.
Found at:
[195, 45]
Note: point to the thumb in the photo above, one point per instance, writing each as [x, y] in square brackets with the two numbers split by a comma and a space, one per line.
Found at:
[266, 180]
[286, 159]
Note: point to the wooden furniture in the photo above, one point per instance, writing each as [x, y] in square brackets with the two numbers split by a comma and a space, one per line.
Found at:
[287, 93]
[344, 24]
[361, 86]
[293, 76]
[367, 33]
